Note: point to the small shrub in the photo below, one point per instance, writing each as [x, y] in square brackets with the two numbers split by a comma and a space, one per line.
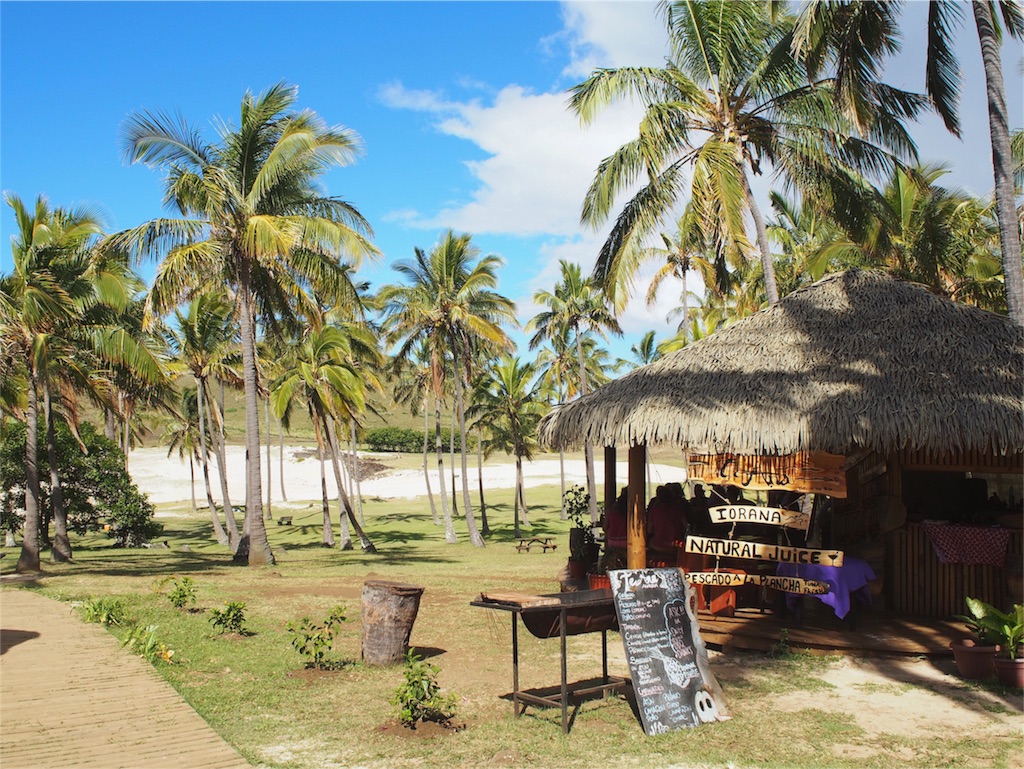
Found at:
[420, 698]
[183, 593]
[143, 641]
[230, 619]
[314, 641]
[106, 611]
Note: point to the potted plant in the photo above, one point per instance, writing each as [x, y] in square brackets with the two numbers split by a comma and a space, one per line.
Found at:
[582, 545]
[598, 575]
[1007, 628]
[974, 656]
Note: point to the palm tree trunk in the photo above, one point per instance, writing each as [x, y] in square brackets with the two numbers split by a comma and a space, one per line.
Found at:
[267, 514]
[61, 550]
[1002, 165]
[220, 453]
[524, 513]
[771, 287]
[426, 470]
[343, 500]
[561, 473]
[588, 450]
[327, 538]
[474, 534]
[28, 561]
[280, 458]
[451, 460]
[218, 530]
[355, 475]
[192, 481]
[449, 530]
[485, 528]
[516, 531]
[109, 424]
[684, 302]
[254, 547]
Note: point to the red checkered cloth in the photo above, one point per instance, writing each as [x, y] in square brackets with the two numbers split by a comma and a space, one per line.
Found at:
[954, 543]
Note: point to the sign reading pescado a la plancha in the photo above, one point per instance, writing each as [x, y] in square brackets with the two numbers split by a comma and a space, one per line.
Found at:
[785, 584]
[756, 551]
[773, 516]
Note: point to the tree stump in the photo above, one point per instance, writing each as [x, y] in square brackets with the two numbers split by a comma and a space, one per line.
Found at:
[389, 611]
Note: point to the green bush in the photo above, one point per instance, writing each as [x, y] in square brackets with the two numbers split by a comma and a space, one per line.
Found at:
[183, 593]
[314, 641]
[104, 610]
[409, 441]
[420, 698]
[230, 619]
[143, 641]
[95, 483]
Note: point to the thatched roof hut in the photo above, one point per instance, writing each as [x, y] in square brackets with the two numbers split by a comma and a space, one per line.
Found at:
[858, 359]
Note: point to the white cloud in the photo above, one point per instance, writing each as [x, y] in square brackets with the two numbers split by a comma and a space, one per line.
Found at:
[612, 34]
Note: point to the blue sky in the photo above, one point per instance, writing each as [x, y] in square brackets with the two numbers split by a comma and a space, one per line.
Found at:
[460, 106]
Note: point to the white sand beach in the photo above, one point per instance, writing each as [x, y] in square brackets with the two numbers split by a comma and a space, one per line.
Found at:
[166, 479]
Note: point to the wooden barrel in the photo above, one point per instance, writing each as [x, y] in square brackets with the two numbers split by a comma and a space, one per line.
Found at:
[389, 611]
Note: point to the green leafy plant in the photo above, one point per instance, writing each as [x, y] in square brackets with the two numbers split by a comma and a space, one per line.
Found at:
[183, 593]
[577, 509]
[314, 641]
[230, 619]
[419, 698]
[142, 640]
[993, 626]
[104, 610]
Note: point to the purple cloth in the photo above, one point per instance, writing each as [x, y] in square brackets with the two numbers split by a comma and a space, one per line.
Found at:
[849, 579]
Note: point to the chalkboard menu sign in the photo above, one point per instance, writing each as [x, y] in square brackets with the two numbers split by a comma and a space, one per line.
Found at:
[668, 661]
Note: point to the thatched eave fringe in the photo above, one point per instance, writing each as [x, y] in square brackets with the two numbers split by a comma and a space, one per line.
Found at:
[858, 359]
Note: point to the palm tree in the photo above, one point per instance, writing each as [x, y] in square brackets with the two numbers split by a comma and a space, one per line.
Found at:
[511, 407]
[323, 376]
[645, 351]
[413, 387]
[205, 343]
[60, 312]
[836, 32]
[575, 307]
[730, 99]
[449, 302]
[184, 436]
[254, 221]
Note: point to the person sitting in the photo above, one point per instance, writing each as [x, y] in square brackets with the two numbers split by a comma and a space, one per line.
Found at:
[615, 523]
[666, 525]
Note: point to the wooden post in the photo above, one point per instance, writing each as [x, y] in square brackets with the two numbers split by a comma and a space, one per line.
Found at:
[636, 516]
[610, 492]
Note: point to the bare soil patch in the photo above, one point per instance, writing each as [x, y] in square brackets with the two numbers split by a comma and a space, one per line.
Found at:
[424, 730]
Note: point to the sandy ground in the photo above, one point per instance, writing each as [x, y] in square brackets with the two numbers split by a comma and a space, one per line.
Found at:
[167, 479]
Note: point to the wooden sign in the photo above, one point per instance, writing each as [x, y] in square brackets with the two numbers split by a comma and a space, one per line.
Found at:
[735, 548]
[772, 516]
[814, 472]
[668, 661]
[785, 584]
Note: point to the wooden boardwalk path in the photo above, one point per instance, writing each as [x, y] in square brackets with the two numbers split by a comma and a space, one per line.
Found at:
[71, 697]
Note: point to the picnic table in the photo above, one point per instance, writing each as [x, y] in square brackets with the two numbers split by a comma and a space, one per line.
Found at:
[545, 543]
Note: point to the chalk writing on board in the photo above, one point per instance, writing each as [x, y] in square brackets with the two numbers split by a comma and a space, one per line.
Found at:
[667, 659]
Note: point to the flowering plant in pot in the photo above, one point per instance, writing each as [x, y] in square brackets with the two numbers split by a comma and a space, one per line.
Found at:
[974, 656]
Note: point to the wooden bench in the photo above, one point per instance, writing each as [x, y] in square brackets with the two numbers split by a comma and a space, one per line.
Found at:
[284, 520]
[544, 543]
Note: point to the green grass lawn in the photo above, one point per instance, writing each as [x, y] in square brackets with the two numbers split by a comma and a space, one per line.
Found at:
[252, 690]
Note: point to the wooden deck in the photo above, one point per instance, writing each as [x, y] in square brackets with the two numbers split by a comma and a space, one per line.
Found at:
[71, 697]
[871, 634]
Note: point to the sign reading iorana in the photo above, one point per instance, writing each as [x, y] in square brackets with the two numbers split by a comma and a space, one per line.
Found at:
[754, 550]
[668, 662]
[773, 516]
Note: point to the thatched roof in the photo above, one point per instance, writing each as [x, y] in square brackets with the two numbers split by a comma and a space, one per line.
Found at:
[858, 359]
